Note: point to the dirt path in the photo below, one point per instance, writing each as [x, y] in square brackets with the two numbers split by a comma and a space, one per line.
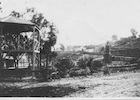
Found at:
[117, 85]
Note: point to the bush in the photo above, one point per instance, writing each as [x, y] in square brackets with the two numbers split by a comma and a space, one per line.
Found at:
[55, 75]
[96, 65]
[138, 61]
[47, 72]
[133, 60]
[106, 70]
[79, 72]
[84, 61]
[64, 65]
[53, 54]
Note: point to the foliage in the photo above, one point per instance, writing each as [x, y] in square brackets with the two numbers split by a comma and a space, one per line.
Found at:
[16, 14]
[42, 23]
[123, 42]
[0, 7]
[49, 72]
[106, 70]
[114, 37]
[62, 47]
[128, 42]
[84, 61]
[134, 32]
[76, 71]
[48, 38]
[138, 61]
[64, 65]
[96, 64]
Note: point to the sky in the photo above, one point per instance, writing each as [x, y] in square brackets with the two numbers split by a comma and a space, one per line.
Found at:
[84, 22]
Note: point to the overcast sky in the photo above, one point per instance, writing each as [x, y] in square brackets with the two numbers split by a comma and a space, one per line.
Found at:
[84, 22]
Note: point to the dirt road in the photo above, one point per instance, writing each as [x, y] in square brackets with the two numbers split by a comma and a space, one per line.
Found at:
[116, 85]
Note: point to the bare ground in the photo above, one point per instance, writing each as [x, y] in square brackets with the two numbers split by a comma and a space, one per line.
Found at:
[116, 85]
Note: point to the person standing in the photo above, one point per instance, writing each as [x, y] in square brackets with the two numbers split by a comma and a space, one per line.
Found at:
[107, 58]
[107, 54]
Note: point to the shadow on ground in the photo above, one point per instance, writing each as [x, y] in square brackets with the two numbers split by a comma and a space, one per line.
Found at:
[47, 91]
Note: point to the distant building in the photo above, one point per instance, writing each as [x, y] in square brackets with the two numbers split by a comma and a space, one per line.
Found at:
[75, 48]
[90, 50]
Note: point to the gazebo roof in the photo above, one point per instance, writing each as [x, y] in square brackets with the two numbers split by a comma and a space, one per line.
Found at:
[16, 25]
[15, 20]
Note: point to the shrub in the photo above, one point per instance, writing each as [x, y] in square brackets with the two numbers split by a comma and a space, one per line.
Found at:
[47, 72]
[53, 54]
[133, 60]
[106, 70]
[64, 65]
[79, 72]
[138, 61]
[84, 61]
[96, 64]
[55, 75]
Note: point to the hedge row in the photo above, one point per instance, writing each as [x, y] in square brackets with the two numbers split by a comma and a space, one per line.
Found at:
[66, 67]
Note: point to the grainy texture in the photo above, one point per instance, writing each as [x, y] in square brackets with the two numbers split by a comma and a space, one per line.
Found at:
[116, 85]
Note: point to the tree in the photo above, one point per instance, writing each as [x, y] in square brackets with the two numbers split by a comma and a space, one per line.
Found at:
[0, 7]
[16, 14]
[114, 37]
[62, 47]
[134, 32]
[43, 24]
[49, 43]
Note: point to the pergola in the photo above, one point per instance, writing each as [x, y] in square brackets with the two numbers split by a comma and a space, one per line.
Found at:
[15, 26]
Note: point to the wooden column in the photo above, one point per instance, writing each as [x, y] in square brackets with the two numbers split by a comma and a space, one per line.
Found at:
[1, 62]
[18, 48]
[39, 50]
[33, 67]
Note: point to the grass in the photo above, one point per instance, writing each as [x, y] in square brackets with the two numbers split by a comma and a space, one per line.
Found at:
[41, 91]
[90, 86]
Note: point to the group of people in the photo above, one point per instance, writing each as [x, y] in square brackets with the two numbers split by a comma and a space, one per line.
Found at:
[13, 44]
